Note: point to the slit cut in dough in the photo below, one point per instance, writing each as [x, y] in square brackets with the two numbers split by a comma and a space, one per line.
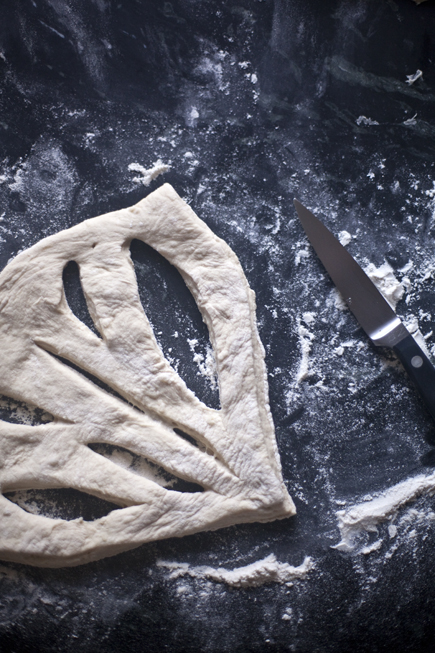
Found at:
[238, 466]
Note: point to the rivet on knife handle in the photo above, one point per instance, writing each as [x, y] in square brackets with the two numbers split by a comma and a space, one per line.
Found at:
[419, 368]
[369, 306]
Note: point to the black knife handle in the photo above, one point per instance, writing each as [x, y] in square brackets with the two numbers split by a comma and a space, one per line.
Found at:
[419, 368]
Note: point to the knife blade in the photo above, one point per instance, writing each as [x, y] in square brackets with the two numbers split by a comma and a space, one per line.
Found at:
[368, 305]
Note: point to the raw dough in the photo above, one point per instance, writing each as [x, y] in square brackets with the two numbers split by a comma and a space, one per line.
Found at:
[239, 470]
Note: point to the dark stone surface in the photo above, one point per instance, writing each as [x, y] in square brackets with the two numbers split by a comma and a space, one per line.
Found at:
[267, 98]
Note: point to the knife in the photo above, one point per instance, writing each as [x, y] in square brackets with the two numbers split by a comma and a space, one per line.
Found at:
[369, 306]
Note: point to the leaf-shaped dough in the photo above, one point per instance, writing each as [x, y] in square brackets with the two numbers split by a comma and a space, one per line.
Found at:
[238, 466]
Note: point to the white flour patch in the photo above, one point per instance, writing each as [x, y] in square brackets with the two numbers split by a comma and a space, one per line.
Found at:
[305, 341]
[339, 302]
[135, 464]
[301, 254]
[412, 325]
[213, 70]
[410, 79]
[344, 237]
[148, 174]
[268, 570]
[393, 290]
[411, 121]
[366, 516]
[206, 364]
[363, 120]
[287, 614]
[384, 279]
[309, 317]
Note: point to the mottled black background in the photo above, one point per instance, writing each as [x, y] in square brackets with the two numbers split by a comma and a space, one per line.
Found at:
[265, 97]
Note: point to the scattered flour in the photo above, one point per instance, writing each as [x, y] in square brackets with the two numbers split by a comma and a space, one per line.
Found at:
[393, 290]
[309, 317]
[344, 237]
[339, 351]
[301, 254]
[410, 79]
[148, 174]
[363, 120]
[384, 279]
[411, 323]
[367, 515]
[268, 570]
[408, 267]
[371, 547]
[339, 302]
[410, 121]
[192, 116]
[206, 365]
[305, 340]
[134, 463]
[287, 615]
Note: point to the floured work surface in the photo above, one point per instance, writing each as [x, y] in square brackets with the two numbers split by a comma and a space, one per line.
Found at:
[235, 457]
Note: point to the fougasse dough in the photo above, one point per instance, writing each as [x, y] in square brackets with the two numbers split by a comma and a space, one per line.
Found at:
[237, 463]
